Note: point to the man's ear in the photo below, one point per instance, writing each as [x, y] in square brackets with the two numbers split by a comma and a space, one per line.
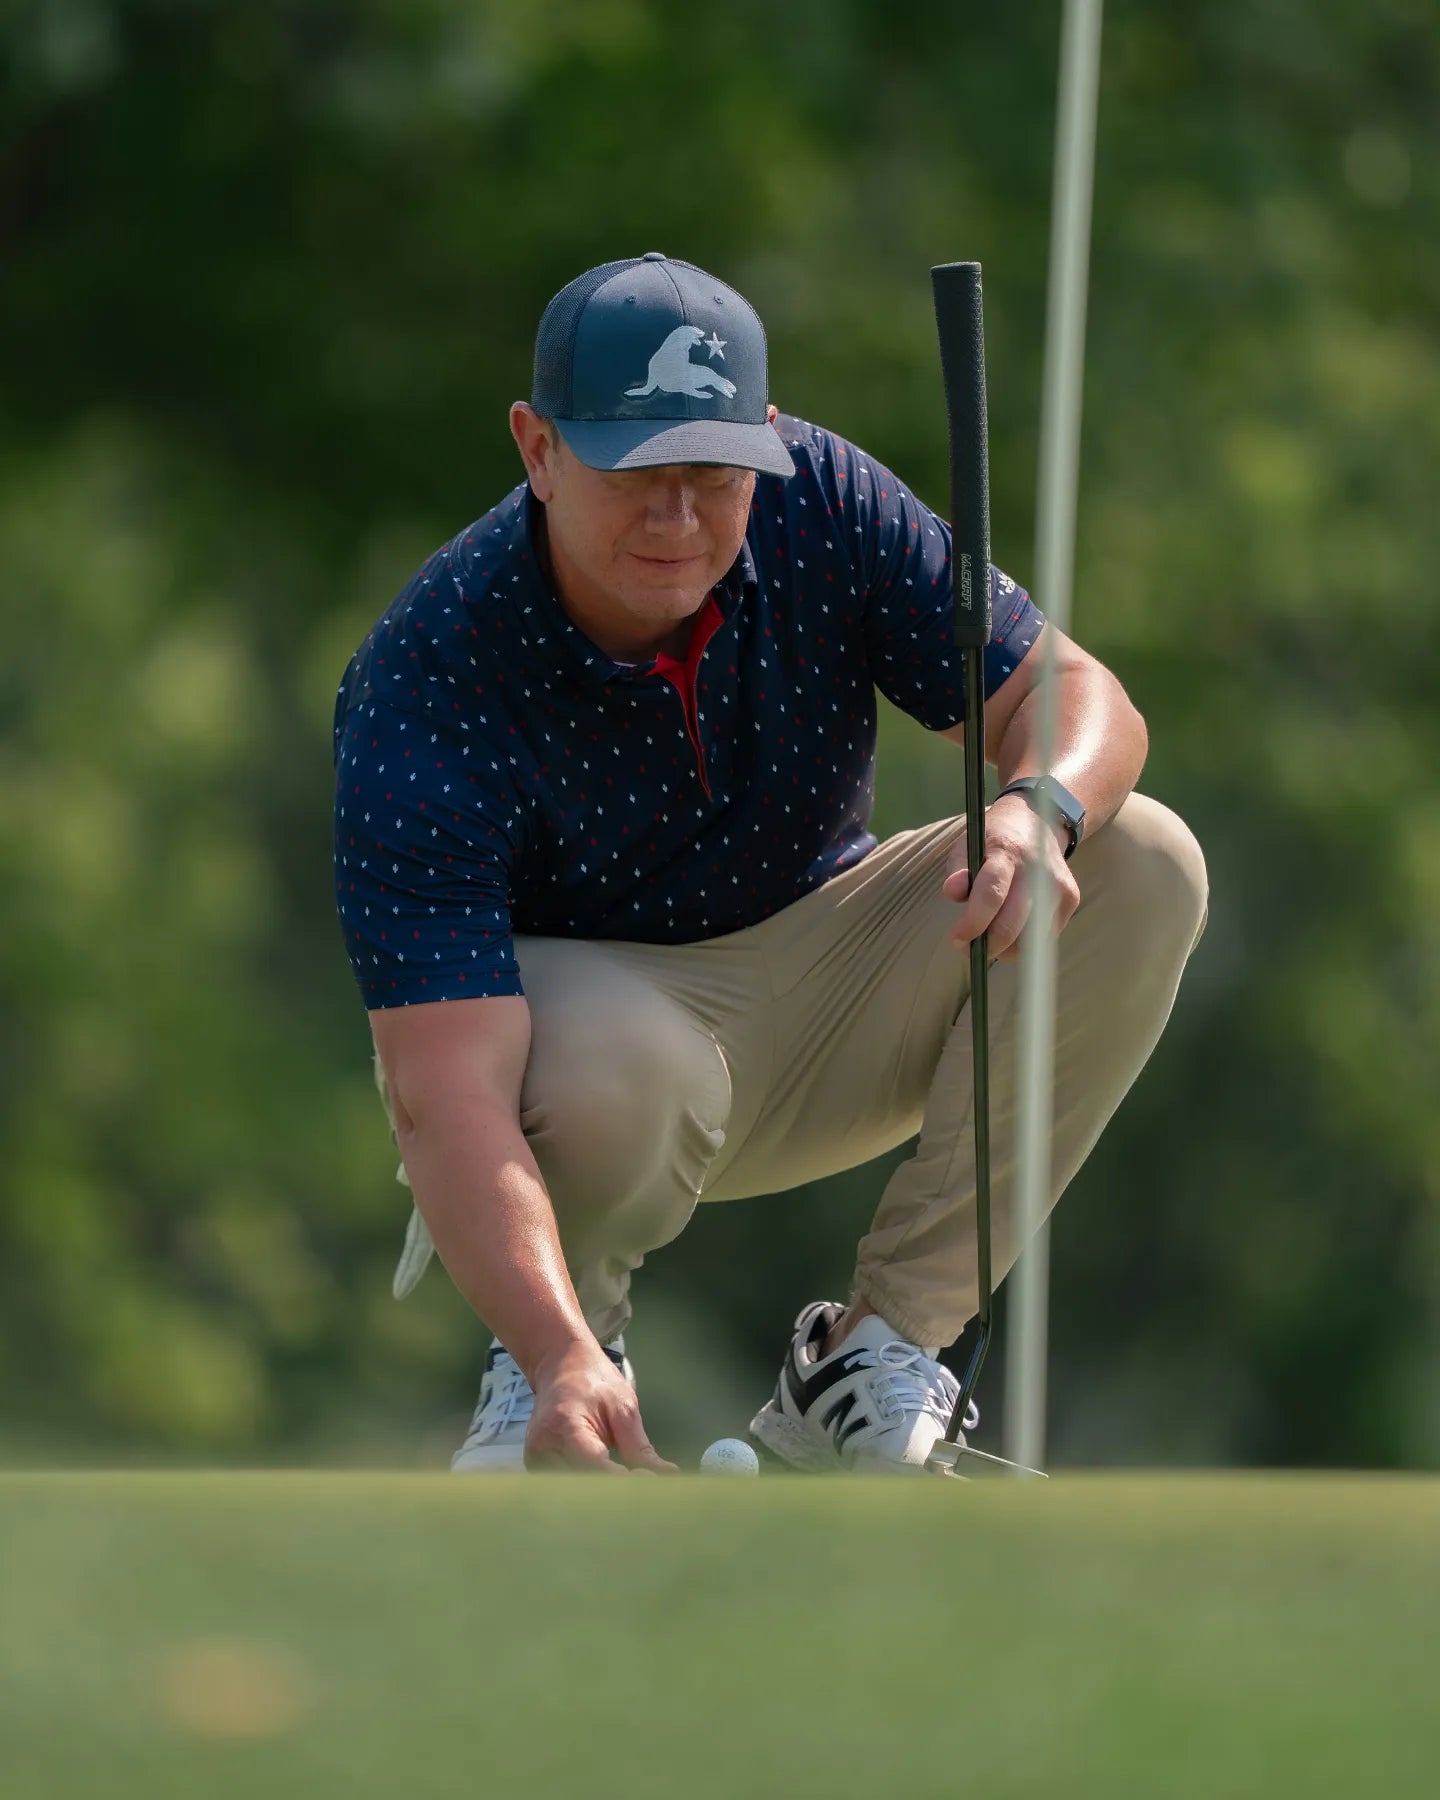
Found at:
[538, 444]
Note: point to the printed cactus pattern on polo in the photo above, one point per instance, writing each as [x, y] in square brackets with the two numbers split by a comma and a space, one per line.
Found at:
[497, 773]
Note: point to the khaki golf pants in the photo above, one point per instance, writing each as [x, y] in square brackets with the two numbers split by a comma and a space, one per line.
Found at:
[663, 1075]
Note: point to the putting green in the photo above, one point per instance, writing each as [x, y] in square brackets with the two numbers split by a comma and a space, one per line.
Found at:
[257, 1635]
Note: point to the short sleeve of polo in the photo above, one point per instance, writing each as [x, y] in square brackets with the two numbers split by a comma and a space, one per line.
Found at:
[427, 830]
[901, 554]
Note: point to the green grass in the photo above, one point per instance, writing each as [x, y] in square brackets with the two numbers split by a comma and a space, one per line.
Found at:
[218, 1636]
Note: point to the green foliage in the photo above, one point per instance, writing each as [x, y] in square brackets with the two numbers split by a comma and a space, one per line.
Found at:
[272, 276]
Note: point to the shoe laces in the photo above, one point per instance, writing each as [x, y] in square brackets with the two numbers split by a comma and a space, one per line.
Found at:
[912, 1382]
[509, 1398]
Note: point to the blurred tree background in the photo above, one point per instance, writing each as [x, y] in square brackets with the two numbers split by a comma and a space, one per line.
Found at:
[271, 274]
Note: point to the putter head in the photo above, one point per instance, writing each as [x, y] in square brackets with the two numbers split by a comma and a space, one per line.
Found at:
[961, 1463]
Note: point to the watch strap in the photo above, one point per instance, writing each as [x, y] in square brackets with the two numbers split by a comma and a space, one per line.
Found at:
[1046, 796]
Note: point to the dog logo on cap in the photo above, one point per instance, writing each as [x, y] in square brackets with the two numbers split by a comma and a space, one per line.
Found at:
[672, 372]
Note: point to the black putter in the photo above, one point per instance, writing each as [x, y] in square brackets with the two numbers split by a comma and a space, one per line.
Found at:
[959, 316]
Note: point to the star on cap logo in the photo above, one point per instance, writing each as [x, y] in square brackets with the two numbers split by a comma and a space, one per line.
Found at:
[672, 372]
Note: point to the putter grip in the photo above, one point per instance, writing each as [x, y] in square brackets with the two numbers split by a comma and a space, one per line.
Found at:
[961, 321]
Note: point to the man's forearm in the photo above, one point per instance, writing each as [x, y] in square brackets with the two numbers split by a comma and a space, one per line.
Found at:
[482, 1196]
[1099, 748]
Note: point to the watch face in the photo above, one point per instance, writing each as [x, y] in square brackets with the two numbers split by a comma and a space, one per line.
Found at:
[1071, 810]
[1045, 789]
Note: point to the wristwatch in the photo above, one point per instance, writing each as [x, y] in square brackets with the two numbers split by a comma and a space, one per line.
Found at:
[1055, 804]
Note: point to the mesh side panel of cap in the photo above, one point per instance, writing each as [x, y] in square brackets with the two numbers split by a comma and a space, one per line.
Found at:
[555, 340]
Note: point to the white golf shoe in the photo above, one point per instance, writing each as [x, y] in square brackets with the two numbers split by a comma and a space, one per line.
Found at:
[495, 1443]
[877, 1404]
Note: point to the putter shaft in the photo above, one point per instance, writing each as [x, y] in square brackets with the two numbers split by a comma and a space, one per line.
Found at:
[979, 1021]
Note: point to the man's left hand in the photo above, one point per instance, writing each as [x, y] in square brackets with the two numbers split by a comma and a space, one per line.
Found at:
[1018, 847]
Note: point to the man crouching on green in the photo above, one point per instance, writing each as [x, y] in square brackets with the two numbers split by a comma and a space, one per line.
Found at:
[604, 778]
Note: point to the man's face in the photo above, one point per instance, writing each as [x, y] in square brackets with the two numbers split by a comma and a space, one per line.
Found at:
[636, 550]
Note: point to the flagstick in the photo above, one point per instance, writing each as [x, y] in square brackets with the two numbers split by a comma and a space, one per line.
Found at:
[1027, 1333]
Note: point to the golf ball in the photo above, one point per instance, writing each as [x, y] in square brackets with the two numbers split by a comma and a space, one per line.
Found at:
[730, 1456]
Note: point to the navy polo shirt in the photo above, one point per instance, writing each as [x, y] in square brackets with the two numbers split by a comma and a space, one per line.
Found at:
[497, 773]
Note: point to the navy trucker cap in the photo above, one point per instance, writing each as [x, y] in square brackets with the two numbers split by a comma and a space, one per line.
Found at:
[651, 361]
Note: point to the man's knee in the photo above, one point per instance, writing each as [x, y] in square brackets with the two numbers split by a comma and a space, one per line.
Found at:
[615, 1103]
[1147, 866]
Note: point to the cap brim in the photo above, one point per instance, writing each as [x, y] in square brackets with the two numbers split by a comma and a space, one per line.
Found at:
[649, 444]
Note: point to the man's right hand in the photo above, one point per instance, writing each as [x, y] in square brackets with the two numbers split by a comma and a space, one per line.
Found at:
[584, 1409]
